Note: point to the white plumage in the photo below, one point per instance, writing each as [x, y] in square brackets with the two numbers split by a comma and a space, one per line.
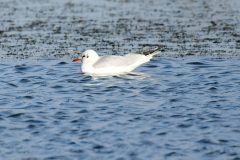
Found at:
[112, 65]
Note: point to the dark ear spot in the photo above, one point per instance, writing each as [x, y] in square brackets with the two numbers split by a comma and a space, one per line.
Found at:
[87, 56]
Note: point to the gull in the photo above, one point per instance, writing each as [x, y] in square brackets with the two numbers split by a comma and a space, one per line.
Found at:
[95, 65]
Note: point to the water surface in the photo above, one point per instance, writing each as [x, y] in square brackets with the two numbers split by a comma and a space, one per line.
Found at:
[184, 108]
[36, 29]
[173, 108]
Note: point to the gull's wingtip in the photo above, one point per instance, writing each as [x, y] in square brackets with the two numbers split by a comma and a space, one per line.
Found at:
[154, 51]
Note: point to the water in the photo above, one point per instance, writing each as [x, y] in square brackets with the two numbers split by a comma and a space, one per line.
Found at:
[171, 108]
[36, 29]
[184, 104]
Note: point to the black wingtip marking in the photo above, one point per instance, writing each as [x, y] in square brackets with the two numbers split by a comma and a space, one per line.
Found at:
[158, 48]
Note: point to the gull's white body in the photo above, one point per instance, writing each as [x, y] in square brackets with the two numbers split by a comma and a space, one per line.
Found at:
[112, 65]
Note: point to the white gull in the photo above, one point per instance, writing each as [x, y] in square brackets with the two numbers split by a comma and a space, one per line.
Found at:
[96, 65]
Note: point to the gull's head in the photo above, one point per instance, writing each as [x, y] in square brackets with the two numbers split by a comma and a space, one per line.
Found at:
[89, 56]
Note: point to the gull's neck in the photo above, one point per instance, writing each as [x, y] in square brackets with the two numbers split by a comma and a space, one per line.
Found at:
[87, 66]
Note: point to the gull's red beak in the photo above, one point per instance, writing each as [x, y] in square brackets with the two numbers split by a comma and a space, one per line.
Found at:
[77, 59]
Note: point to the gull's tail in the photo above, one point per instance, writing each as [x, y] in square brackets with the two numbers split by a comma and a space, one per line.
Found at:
[153, 52]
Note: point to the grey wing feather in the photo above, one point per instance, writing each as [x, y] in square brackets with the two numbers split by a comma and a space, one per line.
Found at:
[118, 61]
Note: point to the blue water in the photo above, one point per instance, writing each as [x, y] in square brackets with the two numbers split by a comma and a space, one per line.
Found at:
[171, 108]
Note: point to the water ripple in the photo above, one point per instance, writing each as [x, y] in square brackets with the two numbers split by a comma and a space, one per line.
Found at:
[174, 110]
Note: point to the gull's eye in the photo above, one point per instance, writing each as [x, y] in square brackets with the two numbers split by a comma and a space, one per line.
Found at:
[83, 56]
